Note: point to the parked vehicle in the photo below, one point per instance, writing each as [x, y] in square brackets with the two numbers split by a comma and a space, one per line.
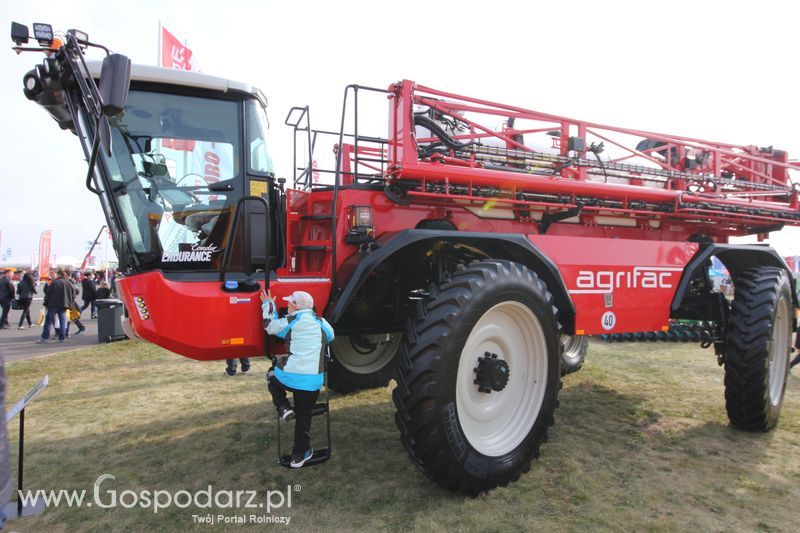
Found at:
[459, 257]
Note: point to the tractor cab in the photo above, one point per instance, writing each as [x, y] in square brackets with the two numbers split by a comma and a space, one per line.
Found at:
[185, 151]
[181, 164]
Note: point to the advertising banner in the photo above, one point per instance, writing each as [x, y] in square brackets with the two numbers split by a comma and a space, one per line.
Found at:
[44, 253]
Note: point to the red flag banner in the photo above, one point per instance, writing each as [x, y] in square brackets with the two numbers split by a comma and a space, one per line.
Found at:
[44, 253]
[173, 53]
[184, 145]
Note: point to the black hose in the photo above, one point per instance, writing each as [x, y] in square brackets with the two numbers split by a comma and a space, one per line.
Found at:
[596, 150]
[422, 120]
[396, 194]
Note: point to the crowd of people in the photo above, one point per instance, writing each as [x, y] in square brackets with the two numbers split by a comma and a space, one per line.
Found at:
[61, 299]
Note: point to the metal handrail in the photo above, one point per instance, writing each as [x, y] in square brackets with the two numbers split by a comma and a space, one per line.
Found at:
[231, 236]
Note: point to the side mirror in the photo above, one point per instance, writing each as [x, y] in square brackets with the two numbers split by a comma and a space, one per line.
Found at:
[115, 80]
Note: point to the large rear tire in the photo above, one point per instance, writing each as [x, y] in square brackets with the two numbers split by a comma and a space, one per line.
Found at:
[478, 376]
[362, 361]
[574, 353]
[757, 348]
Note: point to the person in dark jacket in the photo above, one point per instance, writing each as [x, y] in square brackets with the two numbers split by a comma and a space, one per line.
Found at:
[104, 292]
[58, 297]
[89, 293]
[53, 276]
[6, 295]
[25, 290]
[74, 311]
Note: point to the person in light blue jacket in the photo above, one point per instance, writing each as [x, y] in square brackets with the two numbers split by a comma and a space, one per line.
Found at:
[302, 371]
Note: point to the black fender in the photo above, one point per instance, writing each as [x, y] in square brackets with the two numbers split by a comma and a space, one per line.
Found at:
[511, 246]
[736, 258]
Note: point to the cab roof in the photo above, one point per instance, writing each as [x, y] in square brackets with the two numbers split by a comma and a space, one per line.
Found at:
[186, 78]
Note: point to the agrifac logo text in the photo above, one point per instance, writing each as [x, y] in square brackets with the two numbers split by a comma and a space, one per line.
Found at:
[607, 281]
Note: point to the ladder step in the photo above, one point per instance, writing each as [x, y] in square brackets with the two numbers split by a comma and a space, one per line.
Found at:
[319, 456]
[316, 217]
[311, 248]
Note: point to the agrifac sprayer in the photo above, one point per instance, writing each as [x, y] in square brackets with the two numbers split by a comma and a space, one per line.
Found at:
[467, 251]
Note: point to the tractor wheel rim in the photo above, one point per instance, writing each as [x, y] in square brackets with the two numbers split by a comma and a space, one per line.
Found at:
[572, 346]
[361, 360]
[779, 352]
[498, 422]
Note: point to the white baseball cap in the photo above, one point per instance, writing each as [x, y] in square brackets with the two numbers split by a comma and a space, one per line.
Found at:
[300, 299]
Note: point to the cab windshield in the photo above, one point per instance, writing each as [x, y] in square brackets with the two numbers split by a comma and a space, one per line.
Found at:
[175, 175]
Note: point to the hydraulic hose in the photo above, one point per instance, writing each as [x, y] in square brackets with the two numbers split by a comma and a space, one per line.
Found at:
[422, 120]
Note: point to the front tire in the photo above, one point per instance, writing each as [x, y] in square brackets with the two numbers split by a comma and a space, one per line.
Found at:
[457, 433]
[757, 348]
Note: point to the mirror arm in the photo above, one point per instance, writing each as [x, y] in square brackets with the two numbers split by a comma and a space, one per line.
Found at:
[93, 158]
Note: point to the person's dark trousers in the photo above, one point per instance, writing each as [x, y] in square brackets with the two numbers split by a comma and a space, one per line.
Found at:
[231, 370]
[303, 404]
[87, 303]
[5, 304]
[26, 310]
[61, 331]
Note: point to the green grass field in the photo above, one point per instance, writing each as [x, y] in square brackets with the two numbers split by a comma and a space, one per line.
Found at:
[641, 441]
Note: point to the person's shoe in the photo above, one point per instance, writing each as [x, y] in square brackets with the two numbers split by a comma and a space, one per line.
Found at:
[62, 340]
[21, 327]
[285, 413]
[300, 460]
[229, 375]
[80, 331]
[42, 341]
[245, 369]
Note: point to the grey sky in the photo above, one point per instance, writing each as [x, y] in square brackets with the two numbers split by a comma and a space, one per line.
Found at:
[723, 71]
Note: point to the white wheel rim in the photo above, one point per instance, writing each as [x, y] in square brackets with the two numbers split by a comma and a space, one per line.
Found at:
[572, 346]
[497, 422]
[779, 352]
[371, 361]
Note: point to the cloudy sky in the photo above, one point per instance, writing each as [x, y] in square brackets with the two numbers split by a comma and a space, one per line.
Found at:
[724, 71]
